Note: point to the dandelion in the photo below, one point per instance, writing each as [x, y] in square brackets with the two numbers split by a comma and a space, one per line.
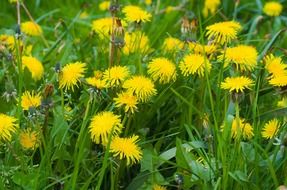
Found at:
[96, 83]
[71, 74]
[158, 187]
[275, 66]
[197, 48]
[104, 124]
[148, 2]
[126, 148]
[136, 14]
[29, 139]
[7, 127]
[210, 6]
[237, 84]
[194, 64]
[8, 41]
[104, 6]
[30, 100]
[162, 69]
[244, 129]
[103, 26]
[279, 81]
[244, 57]
[270, 129]
[31, 28]
[34, 66]
[223, 32]
[136, 42]
[272, 8]
[115, 75]
[126, 100]
[142, 87]
[171, 44]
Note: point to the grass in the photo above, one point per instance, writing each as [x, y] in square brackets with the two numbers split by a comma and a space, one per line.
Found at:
[185, 130]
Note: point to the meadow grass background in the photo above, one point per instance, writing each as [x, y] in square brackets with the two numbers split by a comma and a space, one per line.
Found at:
[182, 143]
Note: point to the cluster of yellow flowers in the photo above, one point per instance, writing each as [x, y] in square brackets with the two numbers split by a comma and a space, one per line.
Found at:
[131, 90]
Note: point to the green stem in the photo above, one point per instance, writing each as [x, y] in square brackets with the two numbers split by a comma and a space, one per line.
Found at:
[80, 143]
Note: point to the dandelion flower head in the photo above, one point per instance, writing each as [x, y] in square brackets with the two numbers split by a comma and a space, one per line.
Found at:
[29, 139]
[136, 14]
[115, 75]
[275, 66]
[30, 99]
[162, 69]
[223, 32]
[270, 129]
[136, 42]
[237, 84]
[34, 66]
[272, 8]
[171, 44]
[244, 57]
[210, 6]
[7, 127]
[71, 74]
[194, 64]
[126, 148]
[140, 86]
[104, 124]
[126, 100]
[30, 28]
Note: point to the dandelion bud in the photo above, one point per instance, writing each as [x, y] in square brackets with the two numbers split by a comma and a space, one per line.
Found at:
[178, 179]
[58, 67]
[185, 26]
[114, 8]
[119, 38]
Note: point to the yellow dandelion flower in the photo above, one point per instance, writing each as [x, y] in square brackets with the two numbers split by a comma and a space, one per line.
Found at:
[103, 124]
[8, 41]
[162, 69]
[148, 2]
[237, 84]
[279, 81]
[71, 75]
[115, 75]
[30, 28]
[136, 42]
[136, 14]
[96, 83]
[194, 64]
[172, 44]
[272, 8]
[223, 32]
[270, 129]
[29, 139]
[245, 129]
[244, 57]
[202, 49]
[103, 26]
[7, 127]
[104, 6]
[128, 101]
[34, 66]
[158, 187]
[275, 66]
[30, 99]
[126, 148]
[282, 103]
[210, 6]
[142, 87]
